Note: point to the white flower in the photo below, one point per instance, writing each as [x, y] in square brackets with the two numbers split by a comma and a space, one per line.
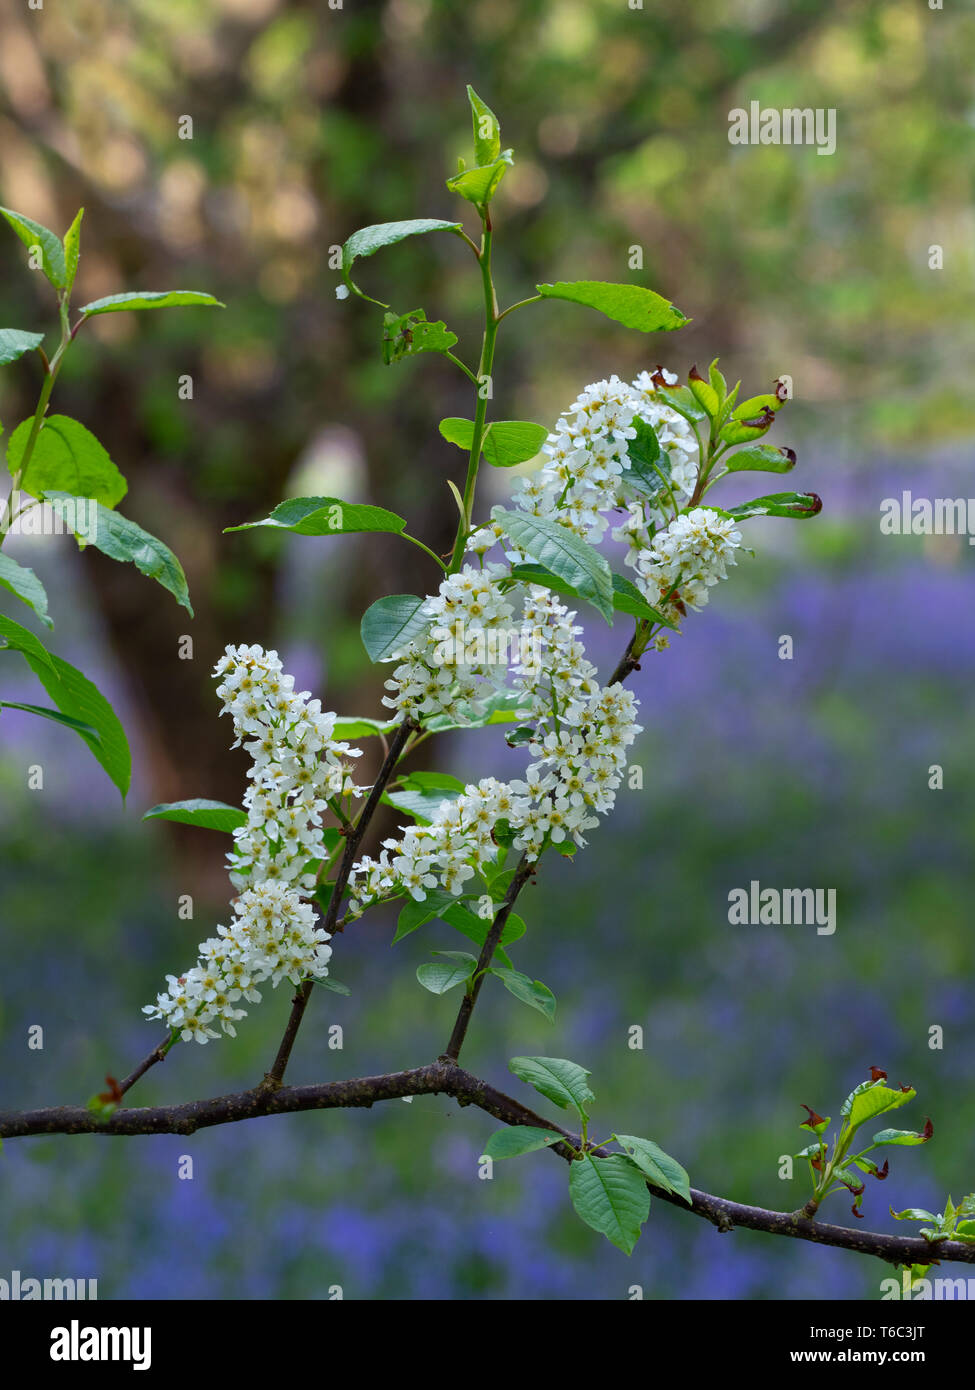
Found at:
[297, 768]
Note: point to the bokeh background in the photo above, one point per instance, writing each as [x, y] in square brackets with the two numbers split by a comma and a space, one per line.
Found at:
[308, 122]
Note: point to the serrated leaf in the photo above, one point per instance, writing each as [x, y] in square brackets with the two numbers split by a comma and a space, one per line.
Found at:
[439, 976]
[611, 1196]
[873, 1098]
[66, 458]
[368, 240]
[904, 1137]
[25, 585]
[209, 815]
[76, 696]
[14, 342]
[519, 1139]
[122, 539]
[479, 186]
[326, 516]
[559, 1080]
[392, 623]
[32, 234]
[662, 1170]
[532, 992]
[151, 299]
[766, 458]
[563, 552]
[631, 305]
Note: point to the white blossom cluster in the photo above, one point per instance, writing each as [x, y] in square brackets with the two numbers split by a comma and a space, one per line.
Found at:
[587, 454]
[690, 555]
[579, 730]
[297, 768]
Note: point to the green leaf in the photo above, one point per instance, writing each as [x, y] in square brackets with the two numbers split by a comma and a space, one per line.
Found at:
[415, 914]
[32, 234]
[487, 129]
[681, 399]
[121, 539]
[648, 467]
[66, 458]
[24, 583]
[797, 505]
[564, 553]
[505, 442]
[72, 249]
[475, 928]
[626, 596]
[14, 342]
[628, 599]
[326, 516]
[56, 715]
[756, 404]
[631, 305]
[704, 393]
[392, 623]
[439, 976]
[21, 639]
[422, 805]
[326, 982]
[611, 1196]
[77, 697]
[873, 1098]
[151, 299]
[209, 815]
[368, 240]
[906, 1137]
[560, 1081]
[912, 1214]
[363, 727]
[766, 458]
[529, 991]
[662, 1170]
[406, 335]
[479, 186]
[519, 1139]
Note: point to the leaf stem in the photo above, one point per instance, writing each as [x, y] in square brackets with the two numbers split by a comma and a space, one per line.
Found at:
[491, 321]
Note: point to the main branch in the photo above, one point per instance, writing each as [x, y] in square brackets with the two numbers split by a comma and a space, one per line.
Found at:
[445, 1078]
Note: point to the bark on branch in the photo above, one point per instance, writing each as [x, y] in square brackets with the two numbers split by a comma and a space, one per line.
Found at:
[443, 1077]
